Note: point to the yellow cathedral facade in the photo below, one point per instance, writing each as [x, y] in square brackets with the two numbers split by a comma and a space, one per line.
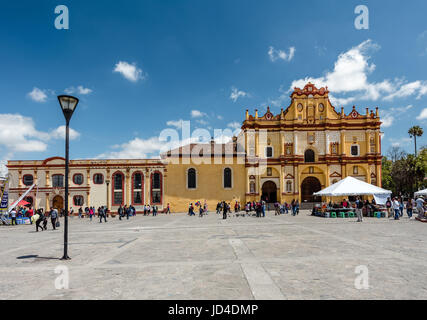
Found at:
[276, 157]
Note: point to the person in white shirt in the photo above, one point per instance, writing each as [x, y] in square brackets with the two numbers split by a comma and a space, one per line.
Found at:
[396, 208]
[13, 216]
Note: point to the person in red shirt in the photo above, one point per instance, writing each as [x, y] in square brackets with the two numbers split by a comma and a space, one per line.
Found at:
[30, 214]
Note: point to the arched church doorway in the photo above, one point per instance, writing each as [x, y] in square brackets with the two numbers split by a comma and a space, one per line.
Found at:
[58, 203]
[309, 186]
[269, 192]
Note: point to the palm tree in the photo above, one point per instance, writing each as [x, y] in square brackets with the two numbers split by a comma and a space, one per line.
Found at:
[415, 131]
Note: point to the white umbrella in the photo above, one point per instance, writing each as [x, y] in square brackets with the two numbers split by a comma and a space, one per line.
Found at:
[351, 187]
[421, 193]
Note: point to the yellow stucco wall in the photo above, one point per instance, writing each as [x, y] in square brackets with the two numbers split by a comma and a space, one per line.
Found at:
[209, 185]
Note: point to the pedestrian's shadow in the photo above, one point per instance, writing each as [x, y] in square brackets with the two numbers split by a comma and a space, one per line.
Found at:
[35, 256]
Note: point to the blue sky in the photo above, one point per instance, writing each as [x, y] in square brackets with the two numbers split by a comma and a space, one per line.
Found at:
[142, 66]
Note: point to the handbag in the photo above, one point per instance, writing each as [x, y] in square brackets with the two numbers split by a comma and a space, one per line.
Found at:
[57, 225]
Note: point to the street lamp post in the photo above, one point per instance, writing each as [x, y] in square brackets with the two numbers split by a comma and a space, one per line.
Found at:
[68, 105]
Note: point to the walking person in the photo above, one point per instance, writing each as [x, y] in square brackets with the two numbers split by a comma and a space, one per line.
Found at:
[30, 214]
[80, 212]
[168, 209]
[224, 213]
[120, 212]
[420, 207]
[39, 219]
[53, 217]
[359, 208]
[401, 206]
[396, 208]
[263, 207]
[200, 212]
[409, 208]
[388, 205]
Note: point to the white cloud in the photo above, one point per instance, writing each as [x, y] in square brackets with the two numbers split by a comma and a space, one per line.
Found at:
[138, 148]
[130, 71]
[417, 87]
[59, 133]
[135, 149]
[175, 123]
[197, 114]
[399, 142]
[349, 78]
[18, 134]
[80, 90]
[387, 120]
[275, 54]
[234, 125]
[3, 168]
[38, 95]
[236, 94]
[202, 122]
[389, 115]
[423, 115]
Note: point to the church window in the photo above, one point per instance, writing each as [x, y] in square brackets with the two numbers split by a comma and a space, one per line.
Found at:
[309, 156]
[289, 186]
[355, 150]
[269, 152]
[227, 178]
[191, 178]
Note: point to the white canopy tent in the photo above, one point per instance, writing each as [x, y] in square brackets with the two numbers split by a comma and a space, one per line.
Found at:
[421, 193]
[353, 187]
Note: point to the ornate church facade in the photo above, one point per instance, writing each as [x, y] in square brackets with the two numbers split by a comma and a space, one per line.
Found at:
[277, 157]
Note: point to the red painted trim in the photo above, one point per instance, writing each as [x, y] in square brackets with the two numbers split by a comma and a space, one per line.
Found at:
[26, 175]
[53, 158]
[74, 201]
[83, 178]
[142, 189]
[161, 187]
[112, 188]
[93, 178]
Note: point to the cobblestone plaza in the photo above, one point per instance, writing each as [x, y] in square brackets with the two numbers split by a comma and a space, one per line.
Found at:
[181, 257]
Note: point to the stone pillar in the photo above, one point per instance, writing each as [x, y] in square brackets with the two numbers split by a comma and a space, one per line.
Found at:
[295, 143]
[327, 151]
[147, 199]
[377, 142]
[378, 173]
[19, 179]
[87, 199]
[327, 182]
[47, 182]
[342, 142]
[282, 143]
[46, 205]
[128, 198]
[282, 185]
[368, 141]
[257, 143]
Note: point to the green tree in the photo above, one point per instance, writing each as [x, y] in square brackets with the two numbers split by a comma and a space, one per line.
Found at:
[414, 132]
[402, 173]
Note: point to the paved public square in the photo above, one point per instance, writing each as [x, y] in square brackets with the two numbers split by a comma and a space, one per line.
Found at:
[182, 257]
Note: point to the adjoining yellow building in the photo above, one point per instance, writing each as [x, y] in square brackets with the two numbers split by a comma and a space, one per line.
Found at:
[291, 155]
